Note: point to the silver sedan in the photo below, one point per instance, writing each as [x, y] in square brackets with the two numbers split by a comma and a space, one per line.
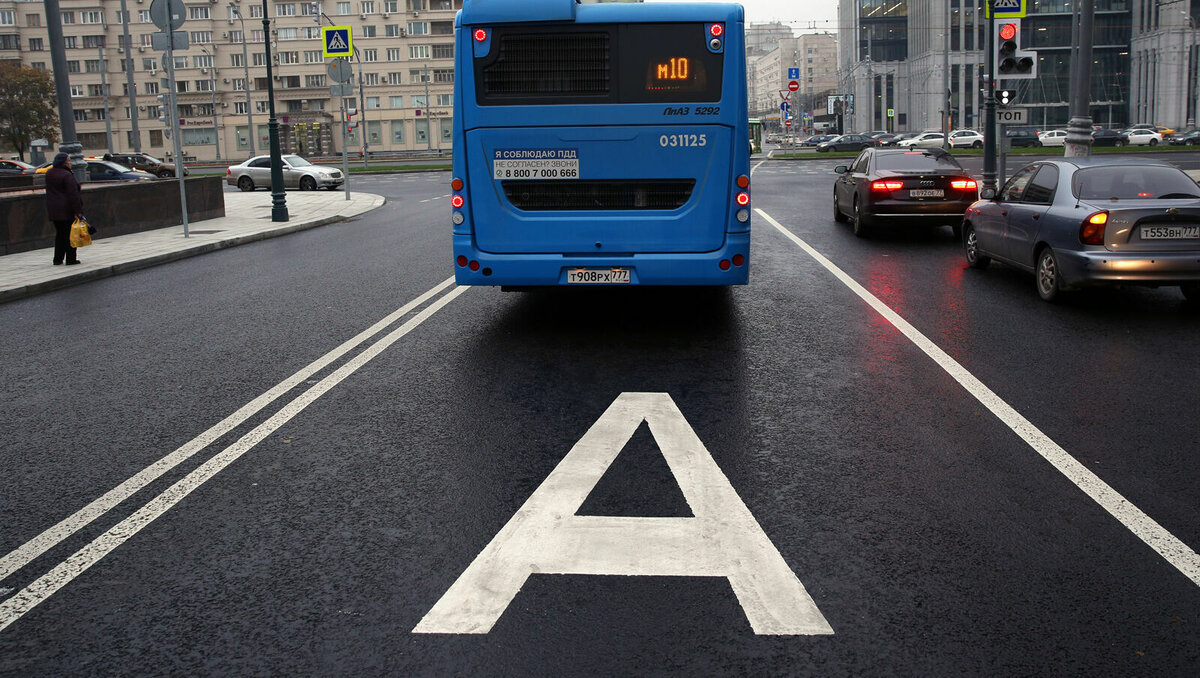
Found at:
[297, 173]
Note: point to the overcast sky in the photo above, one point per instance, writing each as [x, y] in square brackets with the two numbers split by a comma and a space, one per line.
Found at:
[803, 15]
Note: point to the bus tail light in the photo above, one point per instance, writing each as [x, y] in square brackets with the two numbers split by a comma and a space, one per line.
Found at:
[743, 181]
[724, 264]
[480, 35]
[462, 260]
[1091, 231]
[743, 198]
[887, 185]
[456, 201]
[457, 184]
[738, 260]
[716, 30]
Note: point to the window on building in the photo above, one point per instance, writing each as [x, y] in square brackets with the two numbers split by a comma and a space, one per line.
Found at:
[309, 9]
[285, 9]
[310, 33]
[370, 78]
[144, 16]
[314, 81]
[441, 27]
[256, 11]
[443, 51]
[418, 28]
[197, 136]
[92, 65]
[239, 84]
[235, 59]
[441, 5]
[343, 8]
[68, 18]
[70, 42]
[72, 66]
[367, 7]
[416, 75]
[91, 17]
[313, 56]
[204, 85]
[36, 45]
[367, 31]
[236, 37]
[198, 12]
[391, 5]
[392, 30]
[39, 65]
[93, 41]
[395, 78]
[93, 140]
[393, 54]
[156, 136]
[150, 64]
[146, 40]
[181, 62]
[150, 87]
[372, 102]
[289, 34]
[80, 114]
[262, 106]
[203, 61]
[417, 5]
[418, 52]
[200, 37]
[76, 90]
[422, 127]
[370, 55]
[256, 36]
[181, 86]
[418, 101]
[396, 102]
[397, 131]
[96, 90]
[443, 75]
[258, 59]
[289, 57]
[239, 108]
[445, 100]
[33, 20]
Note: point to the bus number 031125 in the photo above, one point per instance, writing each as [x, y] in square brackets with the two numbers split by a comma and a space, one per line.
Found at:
[683, 140]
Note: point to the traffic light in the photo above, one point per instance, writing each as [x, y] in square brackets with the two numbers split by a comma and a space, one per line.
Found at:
[1005, 96]
[1012, 63]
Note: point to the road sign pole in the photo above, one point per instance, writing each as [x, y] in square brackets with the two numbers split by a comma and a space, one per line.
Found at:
[170, 15]
[345, 141]
[989, 103]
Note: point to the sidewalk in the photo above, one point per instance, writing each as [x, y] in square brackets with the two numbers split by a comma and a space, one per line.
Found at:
[247, 219]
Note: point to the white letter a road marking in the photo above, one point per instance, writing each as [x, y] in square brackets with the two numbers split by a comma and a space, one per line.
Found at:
[546, 537]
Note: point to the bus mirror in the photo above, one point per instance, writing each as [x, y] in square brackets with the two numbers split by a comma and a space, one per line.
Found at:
[841, 169]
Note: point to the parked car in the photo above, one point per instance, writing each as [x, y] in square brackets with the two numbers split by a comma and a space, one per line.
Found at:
[1094, 220]
[1186, 139]
[966, 138]
[885, 139]
[1166, 132]
[1022, 137]
[106, 170]
[1143, 137]
[1108, 137]
[887, 186]
[817, 139]
[297, 173]
[147, 163]
[16, 167]
[923, 140]
[1054, 137]
[846, 142]
[895, 141]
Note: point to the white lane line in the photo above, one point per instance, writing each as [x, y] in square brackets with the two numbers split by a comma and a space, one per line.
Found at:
[1174, 551]
[54, 535]
[427, 200]
[43, 587]
[760, 164]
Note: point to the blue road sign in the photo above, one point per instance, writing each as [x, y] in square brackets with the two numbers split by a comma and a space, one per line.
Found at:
[786, 107]
[337, 41]
[793, 73]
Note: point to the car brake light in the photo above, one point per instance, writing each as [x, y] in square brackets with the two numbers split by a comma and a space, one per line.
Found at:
[963, 184]
[887, 185]
[1091, 231]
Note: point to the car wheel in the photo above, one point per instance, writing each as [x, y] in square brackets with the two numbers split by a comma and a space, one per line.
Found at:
[246, 183]
[1047, 276]
[1119, 142]
[1154, 142]
[837, 212]
[977, 144]
[861, 226]
[165, 174]
[970, 241]
[308, 184]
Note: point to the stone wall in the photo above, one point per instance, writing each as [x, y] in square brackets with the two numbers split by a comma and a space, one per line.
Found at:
[115, 208]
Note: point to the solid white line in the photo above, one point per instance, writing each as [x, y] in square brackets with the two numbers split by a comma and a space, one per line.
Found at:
[53, 536]
[43, 587]
[760, 164]
[1177, 553]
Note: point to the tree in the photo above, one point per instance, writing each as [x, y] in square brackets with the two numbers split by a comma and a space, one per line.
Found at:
[26, 107]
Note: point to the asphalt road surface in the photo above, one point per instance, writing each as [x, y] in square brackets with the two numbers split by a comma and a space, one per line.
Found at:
[313, 455]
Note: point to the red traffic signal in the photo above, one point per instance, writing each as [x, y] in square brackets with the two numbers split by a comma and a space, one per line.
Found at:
[1008, 31]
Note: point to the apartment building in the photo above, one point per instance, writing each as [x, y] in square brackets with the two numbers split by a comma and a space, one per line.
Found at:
[404, 71]
[813, 55]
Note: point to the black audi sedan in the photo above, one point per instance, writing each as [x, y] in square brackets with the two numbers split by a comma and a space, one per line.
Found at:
[1108, 137]
[894, 186]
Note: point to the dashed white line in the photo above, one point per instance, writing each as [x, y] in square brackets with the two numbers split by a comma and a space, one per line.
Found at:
[1174, 551]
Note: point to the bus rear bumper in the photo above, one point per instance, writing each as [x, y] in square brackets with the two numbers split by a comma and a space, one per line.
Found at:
[475, 267]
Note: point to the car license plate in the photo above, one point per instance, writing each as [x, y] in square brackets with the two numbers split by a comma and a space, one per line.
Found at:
[1170, 232]
[597, 276]
[926, 193]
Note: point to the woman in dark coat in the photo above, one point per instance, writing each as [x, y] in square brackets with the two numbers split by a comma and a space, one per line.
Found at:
[63, 204]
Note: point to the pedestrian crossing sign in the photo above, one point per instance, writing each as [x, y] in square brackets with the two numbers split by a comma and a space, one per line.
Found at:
[337, 41]
[1008, 9]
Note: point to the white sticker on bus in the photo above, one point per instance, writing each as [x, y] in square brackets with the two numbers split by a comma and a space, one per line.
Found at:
[535, 163]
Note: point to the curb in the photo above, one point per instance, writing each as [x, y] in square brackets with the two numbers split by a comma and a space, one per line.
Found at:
[167, 257]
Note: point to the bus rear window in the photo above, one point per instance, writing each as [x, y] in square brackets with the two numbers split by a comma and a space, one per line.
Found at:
[629, 63]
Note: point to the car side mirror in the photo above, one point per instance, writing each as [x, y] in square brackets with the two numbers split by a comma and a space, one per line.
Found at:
[989, 194]
[841, 169]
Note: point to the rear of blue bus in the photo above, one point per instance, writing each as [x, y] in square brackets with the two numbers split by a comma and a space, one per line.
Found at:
[600, 144]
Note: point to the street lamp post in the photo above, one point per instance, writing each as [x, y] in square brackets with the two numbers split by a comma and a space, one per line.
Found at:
[62, 87]
[245, 79]
[279, 211]
[104, 91]
[127, 59]
[212, 83]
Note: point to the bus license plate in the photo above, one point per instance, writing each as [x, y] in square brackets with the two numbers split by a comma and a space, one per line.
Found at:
[926, 193]
[598, 276]
[1170, 232]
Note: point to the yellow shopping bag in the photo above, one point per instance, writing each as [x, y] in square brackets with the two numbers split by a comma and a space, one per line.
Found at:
[80, 237]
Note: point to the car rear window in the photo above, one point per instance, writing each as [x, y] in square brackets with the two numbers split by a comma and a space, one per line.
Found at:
[916, 160]
[1132, 182]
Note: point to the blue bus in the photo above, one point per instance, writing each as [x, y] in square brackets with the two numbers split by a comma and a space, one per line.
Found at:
[600, 144]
